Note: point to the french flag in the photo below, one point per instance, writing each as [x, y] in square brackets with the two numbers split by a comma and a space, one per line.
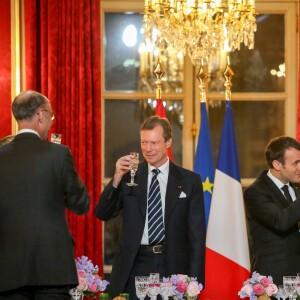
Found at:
[227, 254]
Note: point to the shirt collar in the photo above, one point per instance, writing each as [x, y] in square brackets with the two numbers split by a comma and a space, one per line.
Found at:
[278, 183]
[163, 169]
[27, 130]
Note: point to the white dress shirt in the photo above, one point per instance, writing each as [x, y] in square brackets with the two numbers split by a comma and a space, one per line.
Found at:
[280, 185]
[162, 178]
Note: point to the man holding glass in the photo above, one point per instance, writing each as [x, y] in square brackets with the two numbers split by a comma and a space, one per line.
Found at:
[38, 181]
[273, 212]
[163, 223]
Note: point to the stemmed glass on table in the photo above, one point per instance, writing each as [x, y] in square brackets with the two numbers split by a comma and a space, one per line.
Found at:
[141, 286]
[290, 285]
[133, 168]
[282, 292]
[154, 286]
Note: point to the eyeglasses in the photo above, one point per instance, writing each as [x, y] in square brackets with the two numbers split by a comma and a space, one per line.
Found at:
[51, 113]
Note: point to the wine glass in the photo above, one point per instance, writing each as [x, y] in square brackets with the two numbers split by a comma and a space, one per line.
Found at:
[283, 294]
[76, 294]
[141, 286]
[154, 285]
[290, 284]
[133, 168]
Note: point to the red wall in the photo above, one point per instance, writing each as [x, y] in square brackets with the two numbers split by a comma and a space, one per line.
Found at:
[5, 69]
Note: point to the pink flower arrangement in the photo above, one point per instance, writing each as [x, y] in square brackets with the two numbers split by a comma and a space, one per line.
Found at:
[258, 285]
[184, 286]
[89, 281]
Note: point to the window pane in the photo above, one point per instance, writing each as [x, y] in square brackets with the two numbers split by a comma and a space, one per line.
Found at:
[252, 68]
[123, 119]
[255, 123]
[129, 65]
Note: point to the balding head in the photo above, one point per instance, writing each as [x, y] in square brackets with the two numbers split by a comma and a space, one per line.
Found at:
[32, 110]
[25, 105]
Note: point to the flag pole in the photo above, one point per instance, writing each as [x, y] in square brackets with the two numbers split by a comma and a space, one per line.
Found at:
[228, 74]
[160, 110]
[202, 77]
[158, 72]
[204, 162]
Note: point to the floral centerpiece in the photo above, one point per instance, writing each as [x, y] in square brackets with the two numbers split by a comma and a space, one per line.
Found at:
[184, 287]
[258, 286]
[89, 281]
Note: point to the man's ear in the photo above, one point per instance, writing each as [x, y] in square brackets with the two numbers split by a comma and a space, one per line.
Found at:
[39, 116]
[169, 143]
[277, 165]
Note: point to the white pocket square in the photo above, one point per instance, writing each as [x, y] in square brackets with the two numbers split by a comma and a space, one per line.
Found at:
[182, 195]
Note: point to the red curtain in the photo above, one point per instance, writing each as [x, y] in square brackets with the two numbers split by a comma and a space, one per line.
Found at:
[5, 69]
[62, 53]
[298, 120]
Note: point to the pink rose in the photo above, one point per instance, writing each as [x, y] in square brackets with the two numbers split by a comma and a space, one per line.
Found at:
[93, 287]
[265, 281]
[247, 289]
[193, 289]
[258, 289]
[181, 286]
[81, 274]
[271, 289]
[82, 284]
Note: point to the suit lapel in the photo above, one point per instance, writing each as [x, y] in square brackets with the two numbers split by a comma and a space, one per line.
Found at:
[279, 197]
[141, 192]
[174, 188]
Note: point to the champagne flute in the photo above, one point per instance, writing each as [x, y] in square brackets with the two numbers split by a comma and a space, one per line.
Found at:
[154, 285]
[133, 168]
[141, 286]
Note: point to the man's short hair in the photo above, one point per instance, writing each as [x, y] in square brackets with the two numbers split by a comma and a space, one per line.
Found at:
[155, 121]
[276, 148]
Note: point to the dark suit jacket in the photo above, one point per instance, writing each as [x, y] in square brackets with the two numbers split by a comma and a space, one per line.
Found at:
[273, 231]
[184, 223]
[37, 182]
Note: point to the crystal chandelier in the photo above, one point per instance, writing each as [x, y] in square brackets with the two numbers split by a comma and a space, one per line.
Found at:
[200, 27]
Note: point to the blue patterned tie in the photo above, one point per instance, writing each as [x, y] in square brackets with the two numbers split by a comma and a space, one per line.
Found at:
[156, 229]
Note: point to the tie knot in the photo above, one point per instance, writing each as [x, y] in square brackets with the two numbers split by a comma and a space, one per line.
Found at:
[285, 188]
[155, 172]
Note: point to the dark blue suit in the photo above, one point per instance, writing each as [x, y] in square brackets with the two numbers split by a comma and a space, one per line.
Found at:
[273, 232]
[184, 223]
[38, 182]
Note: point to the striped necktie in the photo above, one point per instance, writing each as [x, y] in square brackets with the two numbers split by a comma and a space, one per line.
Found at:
[156, 229]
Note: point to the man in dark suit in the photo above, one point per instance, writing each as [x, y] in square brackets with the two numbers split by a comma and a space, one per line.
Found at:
[178, 246]
[38, 181]
[273, 212]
